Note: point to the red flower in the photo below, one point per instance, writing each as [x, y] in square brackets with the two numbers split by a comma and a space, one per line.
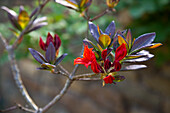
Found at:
[109, 79]
[121, 52]
[55, 41]
[88, 57]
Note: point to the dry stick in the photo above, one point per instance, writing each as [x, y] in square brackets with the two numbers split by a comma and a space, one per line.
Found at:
[87, 79]
[100, 15]
[84, 75]
[63, 69]
[61, 72]
[18, 106]
[11, 56]
[16, 74]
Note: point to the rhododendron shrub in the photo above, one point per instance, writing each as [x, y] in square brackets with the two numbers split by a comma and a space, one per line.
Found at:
[111, 52]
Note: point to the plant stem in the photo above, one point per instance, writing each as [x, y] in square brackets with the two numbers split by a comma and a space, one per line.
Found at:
[17, 75]
[100, 15]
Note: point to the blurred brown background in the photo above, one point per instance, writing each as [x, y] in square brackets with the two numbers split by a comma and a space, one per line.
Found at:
[143, 91]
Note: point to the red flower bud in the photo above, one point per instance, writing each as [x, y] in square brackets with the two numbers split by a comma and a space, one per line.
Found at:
[55, 41]
[109, 79]
[42, 44]
[49, 39]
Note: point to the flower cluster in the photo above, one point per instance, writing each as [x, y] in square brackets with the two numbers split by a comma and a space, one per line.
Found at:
[113, 50]
[51, 47]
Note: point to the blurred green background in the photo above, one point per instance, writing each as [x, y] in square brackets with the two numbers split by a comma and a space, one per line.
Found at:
[141, 16]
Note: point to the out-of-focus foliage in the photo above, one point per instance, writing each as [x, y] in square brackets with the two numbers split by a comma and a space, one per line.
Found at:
[145, 16]
[150, 16]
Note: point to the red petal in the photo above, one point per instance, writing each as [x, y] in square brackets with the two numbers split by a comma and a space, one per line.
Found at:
[88, 57]
[104, 54]
[121, 52]
[107, 64]
[89, 54]
[109, 79]
[49, 39]
[117, 66]
[42, 44]
[84, 61]
[57, 41]
[95, 67]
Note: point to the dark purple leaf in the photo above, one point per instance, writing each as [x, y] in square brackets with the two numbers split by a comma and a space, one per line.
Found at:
[40, 20]
[60, 59]
[143, 40]
[145, 55]
[94, 31]
[110, 30]
[66, 4]
[132, 67]
[87, 42]
[37, 26]
[21, 8]
[38, 56]
[115, 42]
[119, 78]
[50, 53]
[12, 17]
[34, 12]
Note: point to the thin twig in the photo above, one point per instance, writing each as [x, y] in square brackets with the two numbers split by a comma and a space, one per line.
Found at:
[3, 40]
[87, 79]
[100, 15]
[17, 78]
[62, 73]
[63, 69]
[18, 106]
[16, 74]
[84, 75]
